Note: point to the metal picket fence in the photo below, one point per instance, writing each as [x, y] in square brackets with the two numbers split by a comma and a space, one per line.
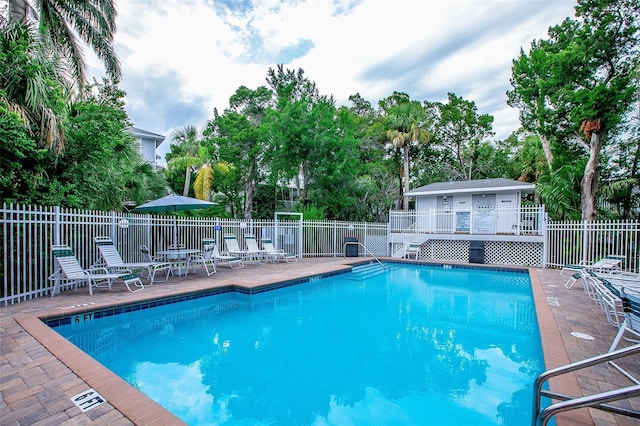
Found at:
[586, 242]
[28, 232]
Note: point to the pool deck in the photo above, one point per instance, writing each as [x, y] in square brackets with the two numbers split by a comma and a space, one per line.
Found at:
[40, 371]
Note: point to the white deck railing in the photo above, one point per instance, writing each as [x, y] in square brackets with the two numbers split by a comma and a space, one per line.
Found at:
[523, 221]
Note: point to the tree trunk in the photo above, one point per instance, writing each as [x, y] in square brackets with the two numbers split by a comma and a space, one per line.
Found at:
[187, 182]
[546, 147]
[590, 179]
[249, 191]
[405, 162]
[17, 10]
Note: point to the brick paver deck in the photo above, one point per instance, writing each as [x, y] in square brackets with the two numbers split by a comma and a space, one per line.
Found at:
[40, 371]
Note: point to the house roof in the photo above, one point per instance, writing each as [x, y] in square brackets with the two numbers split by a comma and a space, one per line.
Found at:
[145, 134]
[473, 186]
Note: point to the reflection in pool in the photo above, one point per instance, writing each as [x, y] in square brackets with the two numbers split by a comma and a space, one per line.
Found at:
[415, 345]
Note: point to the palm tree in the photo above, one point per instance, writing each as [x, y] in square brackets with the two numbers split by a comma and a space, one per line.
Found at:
[31, 84]
[188, 140]
[404, 121]
[59, 22]
[205, 178]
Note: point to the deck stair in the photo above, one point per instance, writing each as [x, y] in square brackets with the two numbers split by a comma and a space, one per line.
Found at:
[361, 272]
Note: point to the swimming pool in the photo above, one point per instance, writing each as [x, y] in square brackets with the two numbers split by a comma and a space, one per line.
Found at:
[418, 344]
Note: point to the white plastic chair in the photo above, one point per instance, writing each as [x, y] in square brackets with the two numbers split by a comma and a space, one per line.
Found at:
[413, 249]
[276, 254]
[630, 326]
[205, 259]
[114, 261]
[71, 272]
[232, 261]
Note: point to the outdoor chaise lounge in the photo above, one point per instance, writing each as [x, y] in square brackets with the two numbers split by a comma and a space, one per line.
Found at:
[114, 262]
[630, 326]
[71, 272]
[232, 261]
[608, 263]
[252, 247]
[276, 254]
[233, 248]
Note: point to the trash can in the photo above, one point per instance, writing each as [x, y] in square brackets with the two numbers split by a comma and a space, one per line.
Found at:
[476, 251]
[350, 250]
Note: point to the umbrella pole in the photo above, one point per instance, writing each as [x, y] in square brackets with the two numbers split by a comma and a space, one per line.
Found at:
[175, 228]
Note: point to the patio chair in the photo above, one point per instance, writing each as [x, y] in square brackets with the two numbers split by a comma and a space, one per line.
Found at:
[232, 261]
[608, 297]
[115, 263]
[413, 249]
[205, 259]
[71, 272]
[630, 326]
[253, 249]
[608, 263]
[276, 254]
[233, 248]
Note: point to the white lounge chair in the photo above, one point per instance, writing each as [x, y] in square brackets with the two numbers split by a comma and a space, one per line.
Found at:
[232, 261]
[114, 262]
[630, 326]
[254, 250]
[274, 254]
[609, 263]
[205, 259]
[233, 248]
[71, 272]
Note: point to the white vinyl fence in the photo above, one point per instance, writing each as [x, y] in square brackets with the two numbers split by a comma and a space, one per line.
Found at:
[28, 232]
[587, 242]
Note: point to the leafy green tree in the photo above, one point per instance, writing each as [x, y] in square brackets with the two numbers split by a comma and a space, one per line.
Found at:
[457, 126]
[291, 126]
[406, 124]
[575, 88]
[100, 166]
[238, 138]
[62, 22]
[20, 160]
[31, 85]
[376, 183]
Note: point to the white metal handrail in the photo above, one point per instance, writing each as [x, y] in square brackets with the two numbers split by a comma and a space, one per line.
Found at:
[540, 418]
[344, 249]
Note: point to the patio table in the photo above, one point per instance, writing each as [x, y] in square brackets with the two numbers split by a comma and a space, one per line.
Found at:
[181, 256]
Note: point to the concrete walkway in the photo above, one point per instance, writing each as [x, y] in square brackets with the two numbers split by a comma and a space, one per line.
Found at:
[40, 371]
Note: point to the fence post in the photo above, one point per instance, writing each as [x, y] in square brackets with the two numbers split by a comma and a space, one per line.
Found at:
[56, 226]
[585, 241]
[335, 238]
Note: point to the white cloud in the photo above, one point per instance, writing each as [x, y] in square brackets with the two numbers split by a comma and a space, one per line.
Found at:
[182, 58]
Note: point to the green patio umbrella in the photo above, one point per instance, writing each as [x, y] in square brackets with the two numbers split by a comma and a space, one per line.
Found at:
[172, 204]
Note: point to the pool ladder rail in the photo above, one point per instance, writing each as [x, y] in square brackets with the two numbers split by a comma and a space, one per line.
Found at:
[598, 400]
[366, 250]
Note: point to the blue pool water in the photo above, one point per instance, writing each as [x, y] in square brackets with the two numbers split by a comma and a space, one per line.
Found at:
[417, 345]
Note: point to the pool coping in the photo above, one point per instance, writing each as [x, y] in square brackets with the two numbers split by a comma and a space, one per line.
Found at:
[142, 410]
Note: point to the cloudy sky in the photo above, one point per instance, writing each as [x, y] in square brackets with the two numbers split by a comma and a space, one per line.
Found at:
[183, 58]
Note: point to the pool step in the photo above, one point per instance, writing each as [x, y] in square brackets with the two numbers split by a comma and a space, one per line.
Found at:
[369, 270]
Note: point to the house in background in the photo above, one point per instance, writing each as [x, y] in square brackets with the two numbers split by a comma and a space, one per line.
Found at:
[148, 143]
[451, 218]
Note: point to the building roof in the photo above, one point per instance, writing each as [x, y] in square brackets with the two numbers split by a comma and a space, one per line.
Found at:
[145, 134]
[473, 186]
